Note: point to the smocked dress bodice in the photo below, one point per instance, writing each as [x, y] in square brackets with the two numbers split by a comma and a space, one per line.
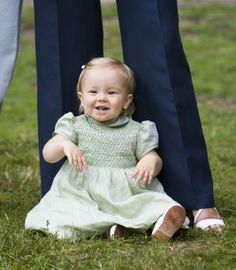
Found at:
[119, 145]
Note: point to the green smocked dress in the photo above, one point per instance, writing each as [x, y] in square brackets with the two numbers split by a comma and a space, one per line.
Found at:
[82, 203]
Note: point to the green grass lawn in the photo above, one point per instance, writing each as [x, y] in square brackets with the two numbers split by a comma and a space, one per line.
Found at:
[209, 35]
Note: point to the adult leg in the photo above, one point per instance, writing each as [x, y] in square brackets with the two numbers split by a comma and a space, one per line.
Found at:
[68, 34]
[164, 94]
[10, 14]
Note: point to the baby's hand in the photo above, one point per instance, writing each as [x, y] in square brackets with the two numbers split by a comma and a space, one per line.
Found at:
[74, 155]
[147, 168]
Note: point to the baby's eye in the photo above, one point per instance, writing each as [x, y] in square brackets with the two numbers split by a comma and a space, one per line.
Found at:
[92, 91]
[112, 92]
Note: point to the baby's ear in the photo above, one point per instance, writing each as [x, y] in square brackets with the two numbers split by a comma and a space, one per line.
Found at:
[79, 94]
[129, 99]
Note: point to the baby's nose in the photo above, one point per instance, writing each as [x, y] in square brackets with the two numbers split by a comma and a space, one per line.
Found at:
[102, 97]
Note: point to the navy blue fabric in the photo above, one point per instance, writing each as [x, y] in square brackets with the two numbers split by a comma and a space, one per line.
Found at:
[69, 33]
[164, 94]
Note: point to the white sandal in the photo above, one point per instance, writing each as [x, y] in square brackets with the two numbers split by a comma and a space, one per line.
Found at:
[206, 223]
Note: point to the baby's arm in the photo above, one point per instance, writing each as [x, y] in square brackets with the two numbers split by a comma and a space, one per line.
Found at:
[147, 168]
[58, 147]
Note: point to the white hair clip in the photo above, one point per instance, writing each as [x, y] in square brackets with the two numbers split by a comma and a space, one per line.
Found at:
[83, 66]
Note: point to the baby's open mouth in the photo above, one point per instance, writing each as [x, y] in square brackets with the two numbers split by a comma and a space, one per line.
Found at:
[101, 108]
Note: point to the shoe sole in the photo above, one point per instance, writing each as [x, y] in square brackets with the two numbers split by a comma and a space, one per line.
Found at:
[173, 220]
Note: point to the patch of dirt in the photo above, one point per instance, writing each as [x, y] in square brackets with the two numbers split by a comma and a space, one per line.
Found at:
[216, 102]
[107, 1]
[28, 2]
[186, 2]
[189, 247]
[181, 3]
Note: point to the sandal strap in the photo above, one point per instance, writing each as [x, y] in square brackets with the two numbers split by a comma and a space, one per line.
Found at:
[199, 213]
[205, 223]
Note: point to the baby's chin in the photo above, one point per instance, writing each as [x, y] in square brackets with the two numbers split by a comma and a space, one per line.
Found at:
[104, 120]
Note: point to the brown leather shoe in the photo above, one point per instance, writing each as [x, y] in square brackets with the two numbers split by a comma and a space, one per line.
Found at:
[117, 231]
[172, 221]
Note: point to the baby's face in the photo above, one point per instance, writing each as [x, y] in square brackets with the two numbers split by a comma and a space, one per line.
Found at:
[104, 94]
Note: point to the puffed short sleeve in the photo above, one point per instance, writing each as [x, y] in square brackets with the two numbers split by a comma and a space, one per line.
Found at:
[147, 139]
[65, 127]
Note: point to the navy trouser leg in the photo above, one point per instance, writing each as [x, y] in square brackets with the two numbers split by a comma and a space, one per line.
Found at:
[68, 34]
[164, 94]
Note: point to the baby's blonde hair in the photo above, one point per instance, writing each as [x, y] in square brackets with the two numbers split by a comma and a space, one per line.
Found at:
[112, 63]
